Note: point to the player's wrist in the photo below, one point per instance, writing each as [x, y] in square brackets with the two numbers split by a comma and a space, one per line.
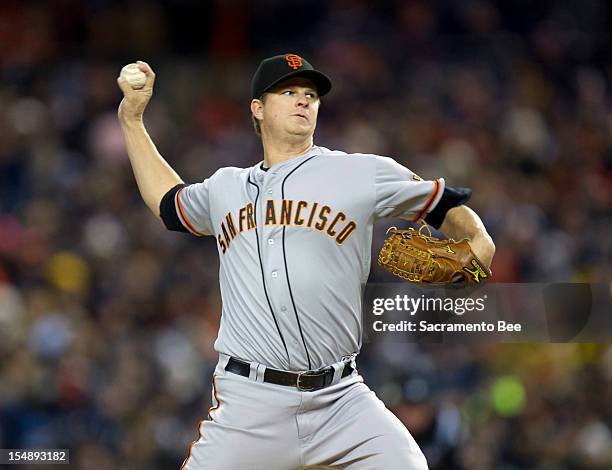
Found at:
[483, 247]
[131, 112]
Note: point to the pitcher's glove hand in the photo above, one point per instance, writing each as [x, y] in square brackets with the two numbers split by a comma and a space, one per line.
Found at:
[419, 257]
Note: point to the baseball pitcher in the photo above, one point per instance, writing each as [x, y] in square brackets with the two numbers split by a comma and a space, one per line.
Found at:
[294, 234]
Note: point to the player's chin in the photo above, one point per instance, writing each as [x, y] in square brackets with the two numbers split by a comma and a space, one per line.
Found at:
[301, 129]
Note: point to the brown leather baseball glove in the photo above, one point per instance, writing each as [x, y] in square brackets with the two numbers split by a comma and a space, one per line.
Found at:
[418, 257]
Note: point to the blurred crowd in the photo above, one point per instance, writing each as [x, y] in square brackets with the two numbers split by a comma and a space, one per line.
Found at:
[107, 321]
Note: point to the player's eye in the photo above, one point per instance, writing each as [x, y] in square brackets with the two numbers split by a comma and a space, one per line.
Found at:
[288, 92]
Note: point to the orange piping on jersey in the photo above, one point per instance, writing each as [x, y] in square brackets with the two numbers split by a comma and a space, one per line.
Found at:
[200, 434]
[431, 199]
[184, 218]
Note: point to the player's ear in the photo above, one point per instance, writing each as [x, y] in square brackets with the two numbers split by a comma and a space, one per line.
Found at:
[257, 108]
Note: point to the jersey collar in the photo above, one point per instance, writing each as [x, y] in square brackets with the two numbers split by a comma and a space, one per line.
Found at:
[257, 171]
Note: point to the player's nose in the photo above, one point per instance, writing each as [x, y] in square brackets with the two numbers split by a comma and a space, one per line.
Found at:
[302, 100]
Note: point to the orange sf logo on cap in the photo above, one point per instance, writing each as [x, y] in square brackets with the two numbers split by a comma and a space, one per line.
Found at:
[293, 61]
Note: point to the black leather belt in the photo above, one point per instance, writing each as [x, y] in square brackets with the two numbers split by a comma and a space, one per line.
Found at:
[308, 381]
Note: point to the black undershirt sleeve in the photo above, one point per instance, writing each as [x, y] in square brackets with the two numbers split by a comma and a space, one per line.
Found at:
[167, 210]
[451, 197]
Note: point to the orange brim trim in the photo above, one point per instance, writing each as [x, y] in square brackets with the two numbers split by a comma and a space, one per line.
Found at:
[183, 217]
[429, 202]
[201, 434]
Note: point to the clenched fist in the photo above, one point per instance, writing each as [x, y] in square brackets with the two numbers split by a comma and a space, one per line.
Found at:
[135, 100]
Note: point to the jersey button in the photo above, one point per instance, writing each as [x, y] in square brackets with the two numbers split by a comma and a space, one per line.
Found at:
[269, 191]
[274, 274]
[283, 309]
[270, 241]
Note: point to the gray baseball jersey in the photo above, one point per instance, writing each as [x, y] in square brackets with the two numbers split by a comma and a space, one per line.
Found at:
[294, 243]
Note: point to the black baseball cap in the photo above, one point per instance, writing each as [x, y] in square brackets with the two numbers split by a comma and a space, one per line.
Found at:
[275, 69]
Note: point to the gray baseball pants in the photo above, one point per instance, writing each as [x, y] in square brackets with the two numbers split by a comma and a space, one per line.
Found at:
[260, 426]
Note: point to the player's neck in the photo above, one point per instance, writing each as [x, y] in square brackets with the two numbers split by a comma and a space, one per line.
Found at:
[278, 151]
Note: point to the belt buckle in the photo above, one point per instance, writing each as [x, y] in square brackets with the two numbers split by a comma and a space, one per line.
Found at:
[308, 373]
